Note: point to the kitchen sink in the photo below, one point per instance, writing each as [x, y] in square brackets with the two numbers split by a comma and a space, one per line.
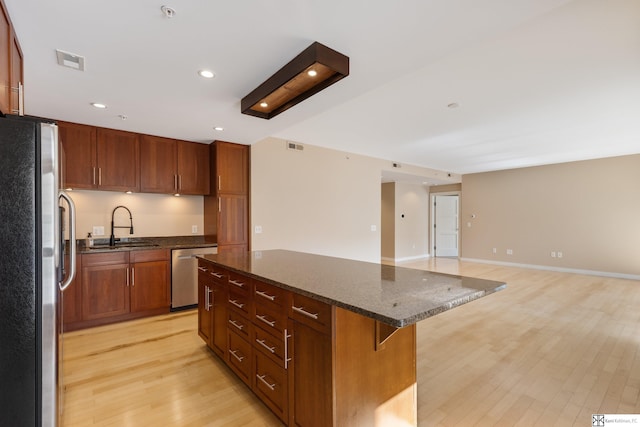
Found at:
[126, 245]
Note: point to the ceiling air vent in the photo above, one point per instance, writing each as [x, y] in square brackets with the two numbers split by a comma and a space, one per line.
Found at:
[70, 60]
[295, 147]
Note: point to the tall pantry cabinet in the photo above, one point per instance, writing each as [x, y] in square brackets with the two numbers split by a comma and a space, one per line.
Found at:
[226, 209]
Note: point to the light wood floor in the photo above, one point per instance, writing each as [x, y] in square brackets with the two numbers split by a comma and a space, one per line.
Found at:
[550, 350]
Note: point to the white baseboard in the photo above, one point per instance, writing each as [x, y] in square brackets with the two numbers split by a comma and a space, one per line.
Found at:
[558, 269]
[411, 258]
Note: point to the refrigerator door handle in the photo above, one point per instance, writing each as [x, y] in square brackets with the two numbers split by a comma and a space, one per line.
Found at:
[72, 241]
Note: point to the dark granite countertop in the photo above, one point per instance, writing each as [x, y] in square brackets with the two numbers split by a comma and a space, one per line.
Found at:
[397, 296]
[145, 243]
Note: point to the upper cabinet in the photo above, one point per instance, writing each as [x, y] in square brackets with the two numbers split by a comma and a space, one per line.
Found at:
[173, 166]
[11, 66]
[99, 159]
[107, 159]
[232, 168]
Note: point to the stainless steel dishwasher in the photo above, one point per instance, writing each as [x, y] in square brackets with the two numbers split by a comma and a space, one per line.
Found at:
[184, 276]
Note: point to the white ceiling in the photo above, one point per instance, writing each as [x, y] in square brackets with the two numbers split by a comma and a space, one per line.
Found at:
[537, 81]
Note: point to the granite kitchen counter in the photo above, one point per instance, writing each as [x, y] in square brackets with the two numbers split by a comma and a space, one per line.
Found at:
[144, 243]
[396, 296]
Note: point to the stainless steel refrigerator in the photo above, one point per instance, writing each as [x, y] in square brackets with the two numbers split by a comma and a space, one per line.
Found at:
[33, 211]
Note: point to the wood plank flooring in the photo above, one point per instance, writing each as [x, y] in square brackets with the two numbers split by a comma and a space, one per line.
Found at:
[550, 350]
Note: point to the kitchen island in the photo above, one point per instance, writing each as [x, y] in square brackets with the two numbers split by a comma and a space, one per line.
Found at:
[324, 341]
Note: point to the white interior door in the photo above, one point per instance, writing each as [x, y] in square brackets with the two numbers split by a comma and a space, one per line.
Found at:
[445, 225]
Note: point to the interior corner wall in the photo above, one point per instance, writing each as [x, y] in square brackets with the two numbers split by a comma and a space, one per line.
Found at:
[411, 221]
[587, 210]
[387, 223]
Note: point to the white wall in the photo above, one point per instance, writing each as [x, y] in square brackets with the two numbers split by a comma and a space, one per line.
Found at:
[154, 215]
[318, 200]
[412, 221]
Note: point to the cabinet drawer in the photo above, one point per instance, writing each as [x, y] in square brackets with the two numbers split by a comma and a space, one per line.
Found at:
[316, 314]
[239, 282]
[239, 301]
[274, 347]
[270, 384]
[118, 257]
[149, 255]
[218, 274]
[270, 320]
[240, 356]
[270, 295]
[239, 324]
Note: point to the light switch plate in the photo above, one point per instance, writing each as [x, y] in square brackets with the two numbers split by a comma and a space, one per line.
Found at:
[194, 229]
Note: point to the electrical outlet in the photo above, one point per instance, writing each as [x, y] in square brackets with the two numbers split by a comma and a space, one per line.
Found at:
[258, 229]
[509, 251]
[495, 250]
[194, 229]
[559, 254]
[98, 230]
[553, 254]
[374, 227]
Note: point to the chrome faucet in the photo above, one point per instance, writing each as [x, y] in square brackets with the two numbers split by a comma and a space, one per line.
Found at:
[112, 239]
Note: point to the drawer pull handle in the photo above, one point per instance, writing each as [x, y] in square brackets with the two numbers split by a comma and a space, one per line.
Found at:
[235, 282]
[236, 303]
[216, 275]
[301, 310]
[266, 295]
[236, 324]
[202, 269]
[233, 353]
[268, 322]
[272, 387]
[262, 343]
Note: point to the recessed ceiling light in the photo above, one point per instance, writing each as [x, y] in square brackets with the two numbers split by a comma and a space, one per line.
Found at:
[264, 104]
[218, 128]
[206, 74]
[99, 105]
[312, 73]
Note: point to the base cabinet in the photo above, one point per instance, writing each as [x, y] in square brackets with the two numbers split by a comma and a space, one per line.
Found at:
[115, 286]
[311, 363]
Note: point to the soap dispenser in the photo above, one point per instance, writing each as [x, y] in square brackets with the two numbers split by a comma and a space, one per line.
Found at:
[89, 240]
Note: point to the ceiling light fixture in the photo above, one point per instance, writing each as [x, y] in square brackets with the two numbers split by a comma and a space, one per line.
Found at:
[99, 105]
[206, 74]
[218, 128]
[314, 69]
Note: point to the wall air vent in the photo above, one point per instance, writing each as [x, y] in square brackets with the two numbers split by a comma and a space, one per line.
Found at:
[295, 147]
[70, 60]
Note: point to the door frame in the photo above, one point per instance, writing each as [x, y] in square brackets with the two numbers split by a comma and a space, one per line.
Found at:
[432, 218]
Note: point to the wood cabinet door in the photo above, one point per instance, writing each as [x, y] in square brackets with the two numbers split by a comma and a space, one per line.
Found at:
[232, 168]
[149, 285]
[15, 74]
[5, 75]
[232, 220]
[193, 168]
[105, 291]
[205, 324]
[158, 165]
[72, 295]
[79, 145]
[311, 393]
[118, 154]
